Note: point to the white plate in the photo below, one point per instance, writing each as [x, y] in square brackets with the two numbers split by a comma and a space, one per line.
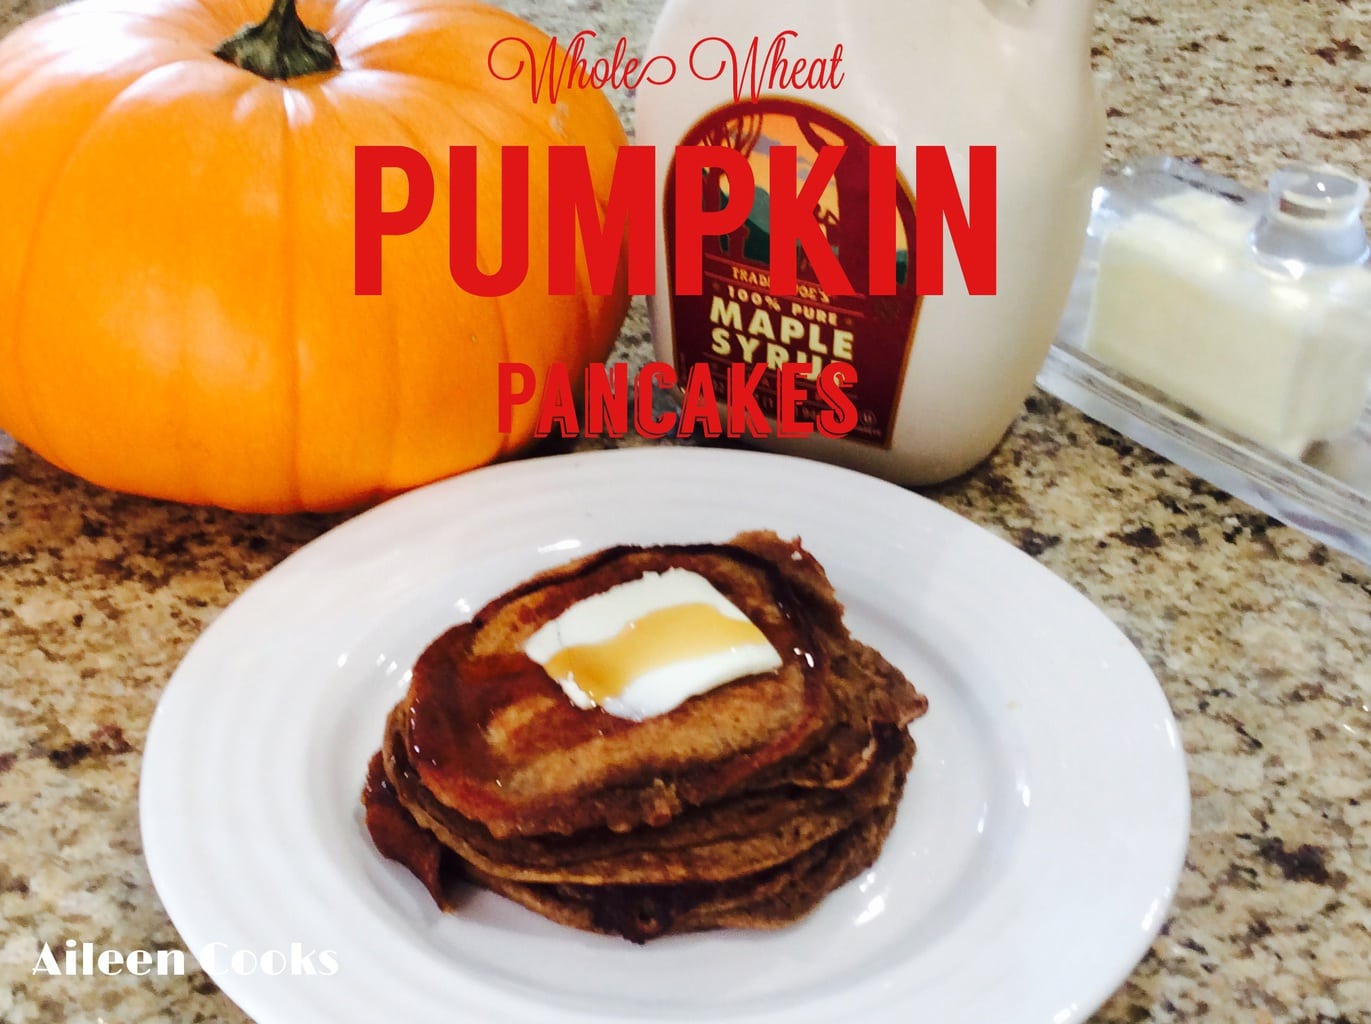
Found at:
[1035, 854]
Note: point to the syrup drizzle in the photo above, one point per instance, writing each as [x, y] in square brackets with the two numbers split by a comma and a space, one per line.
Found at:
[655, 640]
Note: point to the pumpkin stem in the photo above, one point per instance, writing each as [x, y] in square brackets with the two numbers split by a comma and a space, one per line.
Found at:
[280, 46]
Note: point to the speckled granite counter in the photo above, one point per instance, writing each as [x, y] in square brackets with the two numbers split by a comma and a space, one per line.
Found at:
[1261, 638]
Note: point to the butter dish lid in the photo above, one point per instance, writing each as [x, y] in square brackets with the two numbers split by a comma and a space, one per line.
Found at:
[1309, 220]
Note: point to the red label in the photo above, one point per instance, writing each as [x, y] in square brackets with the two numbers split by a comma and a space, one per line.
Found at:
[846, 237]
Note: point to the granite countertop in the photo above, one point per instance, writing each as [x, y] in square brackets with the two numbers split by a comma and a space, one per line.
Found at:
[1260, 637]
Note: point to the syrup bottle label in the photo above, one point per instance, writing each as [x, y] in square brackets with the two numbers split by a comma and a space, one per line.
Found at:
[738, 319]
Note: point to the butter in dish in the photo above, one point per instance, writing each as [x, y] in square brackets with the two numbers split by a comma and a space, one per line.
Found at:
[1230, 331]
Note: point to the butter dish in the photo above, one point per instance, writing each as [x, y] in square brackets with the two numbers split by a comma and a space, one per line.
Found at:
[1230, 331]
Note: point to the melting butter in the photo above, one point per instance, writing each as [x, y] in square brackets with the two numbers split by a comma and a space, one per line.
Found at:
[646, 646]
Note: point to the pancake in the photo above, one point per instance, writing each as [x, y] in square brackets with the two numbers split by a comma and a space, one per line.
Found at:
[766, 899]
[741, 807]
[770, 899]
[507, 748]
[753, 830]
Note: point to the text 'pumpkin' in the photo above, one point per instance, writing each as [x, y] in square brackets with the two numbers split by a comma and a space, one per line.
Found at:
[177, 316]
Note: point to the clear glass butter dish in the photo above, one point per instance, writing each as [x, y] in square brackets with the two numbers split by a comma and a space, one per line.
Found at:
[1230, 331]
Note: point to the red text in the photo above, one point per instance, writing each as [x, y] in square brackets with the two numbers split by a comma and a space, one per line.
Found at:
[733, 410]
[624, 237]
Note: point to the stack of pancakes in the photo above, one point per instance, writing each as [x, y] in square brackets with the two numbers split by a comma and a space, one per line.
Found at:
[742, 807]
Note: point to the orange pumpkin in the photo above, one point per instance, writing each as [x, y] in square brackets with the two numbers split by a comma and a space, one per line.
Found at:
[177, 315]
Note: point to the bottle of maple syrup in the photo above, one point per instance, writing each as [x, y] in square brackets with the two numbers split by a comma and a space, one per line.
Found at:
[938, 377]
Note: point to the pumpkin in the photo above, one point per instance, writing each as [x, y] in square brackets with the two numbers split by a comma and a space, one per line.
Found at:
[177, 307]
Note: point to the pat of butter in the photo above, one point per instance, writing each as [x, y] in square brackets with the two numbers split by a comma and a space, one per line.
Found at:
[646, 646]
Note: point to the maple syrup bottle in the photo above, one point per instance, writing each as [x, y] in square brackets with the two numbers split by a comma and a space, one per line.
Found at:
[999, 96]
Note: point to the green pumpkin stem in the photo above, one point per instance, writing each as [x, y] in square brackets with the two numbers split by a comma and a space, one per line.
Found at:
[280, 46]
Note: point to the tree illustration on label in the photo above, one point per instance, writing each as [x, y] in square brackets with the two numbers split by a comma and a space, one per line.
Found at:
[740, 318]
[740, 133]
